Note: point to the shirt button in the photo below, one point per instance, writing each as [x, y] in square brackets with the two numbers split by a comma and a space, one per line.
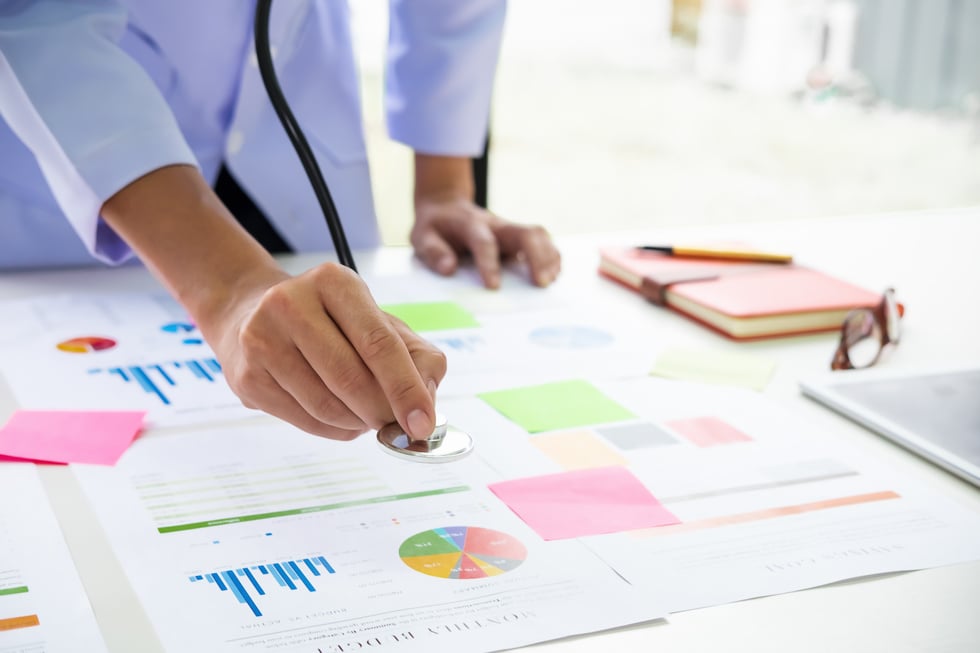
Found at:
[236, 139]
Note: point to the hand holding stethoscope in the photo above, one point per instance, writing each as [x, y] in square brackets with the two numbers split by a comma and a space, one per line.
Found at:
[445, 443]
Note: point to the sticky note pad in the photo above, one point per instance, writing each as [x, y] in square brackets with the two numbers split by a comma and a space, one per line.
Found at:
[552, 406]
[712, 366]
[62, 436]
[708, 431]
[577, 450]
[432, 316]
[583, 502]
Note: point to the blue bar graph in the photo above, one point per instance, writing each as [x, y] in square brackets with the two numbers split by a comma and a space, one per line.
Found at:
[156, 378]
[246, 583]
[463, 343]
[178, 327]
[184, 330]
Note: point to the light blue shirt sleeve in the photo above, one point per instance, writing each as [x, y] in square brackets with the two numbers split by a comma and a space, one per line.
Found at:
[442, 56]
[89, 113]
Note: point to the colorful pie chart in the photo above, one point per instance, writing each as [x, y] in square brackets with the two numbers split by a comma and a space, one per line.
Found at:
[86, 344]
[461, 552]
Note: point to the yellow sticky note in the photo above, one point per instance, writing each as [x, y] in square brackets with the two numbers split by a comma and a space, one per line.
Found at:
[713, 366]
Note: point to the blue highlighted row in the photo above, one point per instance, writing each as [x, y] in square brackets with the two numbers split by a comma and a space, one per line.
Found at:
[154, 378]
[289, 574]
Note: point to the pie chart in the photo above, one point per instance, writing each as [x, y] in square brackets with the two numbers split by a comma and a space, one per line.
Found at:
[86, 344]
[462, 552]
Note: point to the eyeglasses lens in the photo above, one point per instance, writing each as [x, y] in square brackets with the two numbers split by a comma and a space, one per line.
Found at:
[892, 316]
[862, 338]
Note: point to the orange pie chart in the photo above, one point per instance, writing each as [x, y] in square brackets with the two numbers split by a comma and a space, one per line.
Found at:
[86, 344]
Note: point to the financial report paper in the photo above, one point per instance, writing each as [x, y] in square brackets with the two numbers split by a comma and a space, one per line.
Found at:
[267, 539]
[43, 607]
[247, 535]
[766, 504]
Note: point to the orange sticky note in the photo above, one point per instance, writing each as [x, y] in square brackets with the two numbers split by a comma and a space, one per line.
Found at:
[583, 502]
[577, 450]
[63, 436]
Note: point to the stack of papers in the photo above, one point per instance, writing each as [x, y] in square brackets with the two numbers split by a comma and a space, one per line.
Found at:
[598, 495]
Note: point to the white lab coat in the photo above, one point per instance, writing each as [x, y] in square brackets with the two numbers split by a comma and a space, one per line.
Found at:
[95, 94]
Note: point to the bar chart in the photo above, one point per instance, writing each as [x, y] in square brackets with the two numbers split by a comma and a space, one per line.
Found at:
[157, 379]
[185, 330]
[43, 606]
[570, 336]
[246, 584]
[468, 342]
[12, 616]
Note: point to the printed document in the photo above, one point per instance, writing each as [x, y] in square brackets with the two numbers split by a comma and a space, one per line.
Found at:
[43, 608]
[268, 539]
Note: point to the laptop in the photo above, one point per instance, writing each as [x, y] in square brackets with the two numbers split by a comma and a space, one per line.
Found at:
[934, 413]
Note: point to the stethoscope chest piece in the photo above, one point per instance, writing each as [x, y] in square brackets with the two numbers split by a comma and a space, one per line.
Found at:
[446, 443]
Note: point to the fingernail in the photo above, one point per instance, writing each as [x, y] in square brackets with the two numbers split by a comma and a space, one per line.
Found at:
[431, 385]
[444, 265]
[418, 425]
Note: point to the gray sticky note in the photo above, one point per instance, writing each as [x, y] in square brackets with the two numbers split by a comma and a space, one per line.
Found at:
[636, 435]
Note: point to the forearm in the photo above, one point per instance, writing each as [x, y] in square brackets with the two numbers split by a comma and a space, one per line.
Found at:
[179, 228]
[443, 177]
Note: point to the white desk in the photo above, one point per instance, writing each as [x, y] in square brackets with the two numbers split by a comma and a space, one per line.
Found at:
[930, 258]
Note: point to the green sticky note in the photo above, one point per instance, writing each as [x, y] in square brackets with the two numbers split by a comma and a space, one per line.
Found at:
[553, 406]
[712, 366]
[432, 316]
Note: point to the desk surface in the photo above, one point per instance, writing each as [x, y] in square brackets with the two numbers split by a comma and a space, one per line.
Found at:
[929, 258]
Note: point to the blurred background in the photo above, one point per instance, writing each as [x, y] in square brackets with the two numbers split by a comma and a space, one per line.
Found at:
[624, 114]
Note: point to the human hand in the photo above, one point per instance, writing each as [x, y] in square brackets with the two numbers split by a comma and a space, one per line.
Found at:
[316, 351]
[447, 228]
[449, 225]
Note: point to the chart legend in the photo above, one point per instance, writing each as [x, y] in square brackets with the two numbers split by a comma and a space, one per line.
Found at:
[462, 552]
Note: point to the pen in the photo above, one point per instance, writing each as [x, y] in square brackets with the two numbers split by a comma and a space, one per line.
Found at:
[719, 252]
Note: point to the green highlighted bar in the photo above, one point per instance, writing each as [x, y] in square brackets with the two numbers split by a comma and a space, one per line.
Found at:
[432, 316]
[14, 590]
[303, 511]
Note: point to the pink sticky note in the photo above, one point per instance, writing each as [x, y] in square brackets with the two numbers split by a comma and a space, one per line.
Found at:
[583, 502]
[62, 436]
[14, 459]
[708, 431]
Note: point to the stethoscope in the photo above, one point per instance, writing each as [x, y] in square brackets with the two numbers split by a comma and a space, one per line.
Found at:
[446, 443]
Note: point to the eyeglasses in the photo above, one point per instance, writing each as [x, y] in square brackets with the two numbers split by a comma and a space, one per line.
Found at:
[866, 332]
